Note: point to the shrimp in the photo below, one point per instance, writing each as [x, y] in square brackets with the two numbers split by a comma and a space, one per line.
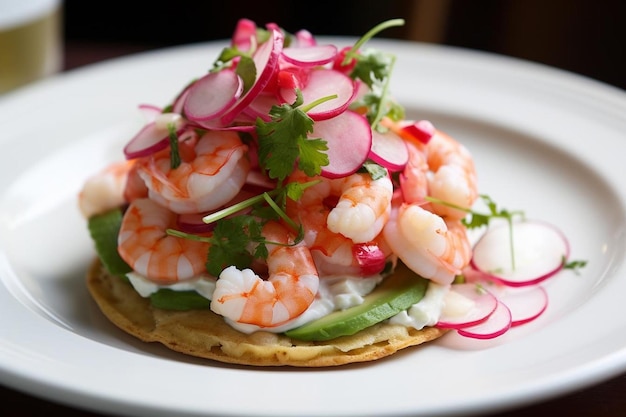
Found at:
[293, 281]
[105, 190]
[428, 245]
[212, 171]
[452, 175]
[144, 244]
[334, 252]
[363, 207]
[414, 177]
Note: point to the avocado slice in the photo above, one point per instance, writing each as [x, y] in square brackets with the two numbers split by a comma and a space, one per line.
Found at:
[398, 292]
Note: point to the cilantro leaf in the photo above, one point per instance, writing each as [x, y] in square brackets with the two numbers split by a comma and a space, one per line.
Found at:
[284, 142]
[229, 243]
[371, 66]
[247, 71]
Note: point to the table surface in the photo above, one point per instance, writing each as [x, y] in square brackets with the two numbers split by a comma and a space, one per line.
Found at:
[606, 399]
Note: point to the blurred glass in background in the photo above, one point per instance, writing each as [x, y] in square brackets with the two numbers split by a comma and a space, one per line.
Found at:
[30, 41]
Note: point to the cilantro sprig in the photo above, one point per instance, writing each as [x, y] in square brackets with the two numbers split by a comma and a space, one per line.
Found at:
[284, 141]
[234, 236]
[245, 67]
[374, 68]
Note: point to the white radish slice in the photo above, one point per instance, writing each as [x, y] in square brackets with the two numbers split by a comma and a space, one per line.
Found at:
[305, 38]
[498, 323]
[179, 102]
[150, 111]
[421, 130]
[349, 139]
[266, 62]
[261, 106]
[466, 305]
[148, 140]
[309, 56]
[323, 83]
[389, 150]
[539, 253]
[525, 303]
[212, 95]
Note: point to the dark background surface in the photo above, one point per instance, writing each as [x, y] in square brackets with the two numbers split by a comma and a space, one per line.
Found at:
[582, 36]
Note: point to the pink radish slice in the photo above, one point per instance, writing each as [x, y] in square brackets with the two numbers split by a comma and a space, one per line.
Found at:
[309, 56]
[192, 223]
[498, 323]
[245, 31]
[349, 139]
[243, 123]
[261, 106]
[389, 150]
[148, 140]
[421, 130]
[212, 95]
[475, 305]
[305, 38]
[179, 102]
[292, 77]
[323, 83]
[370, 258]
[266, 62]
[539, 252]
[150, 111]
[259, 180]
[340, 57]
[525, 303]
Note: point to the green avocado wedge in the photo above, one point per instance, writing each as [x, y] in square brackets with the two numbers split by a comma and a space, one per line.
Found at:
[398, 292]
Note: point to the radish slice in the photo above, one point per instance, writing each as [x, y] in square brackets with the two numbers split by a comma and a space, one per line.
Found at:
[245, 31]
[179, 102]
[305, 38]
[150, 111]
[539, 250]
[370, 258]
[292, 77]
[389, 150]
[212, 95]
[266, 62]
[323, 83]
[309, 56]
[422, 130]
[349, 139]
[525, 303]
[466, 305]
[261, 106]
[498, 323]
[148, 140]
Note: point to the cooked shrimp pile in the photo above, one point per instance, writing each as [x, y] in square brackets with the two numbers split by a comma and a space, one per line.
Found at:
[354, 224]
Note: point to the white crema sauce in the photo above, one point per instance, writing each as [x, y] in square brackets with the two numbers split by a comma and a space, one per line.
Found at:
[336, 292]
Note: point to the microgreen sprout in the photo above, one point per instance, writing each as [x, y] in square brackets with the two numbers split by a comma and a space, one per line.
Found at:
[477, 219]
[174, 153]
[374, 68]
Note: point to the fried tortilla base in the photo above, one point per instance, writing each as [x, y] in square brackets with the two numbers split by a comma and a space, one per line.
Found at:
[204, 334]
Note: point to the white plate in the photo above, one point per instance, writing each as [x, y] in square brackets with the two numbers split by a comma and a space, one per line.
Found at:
[544, 141]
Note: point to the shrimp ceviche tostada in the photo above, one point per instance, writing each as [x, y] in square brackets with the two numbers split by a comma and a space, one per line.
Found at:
[282, 210]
